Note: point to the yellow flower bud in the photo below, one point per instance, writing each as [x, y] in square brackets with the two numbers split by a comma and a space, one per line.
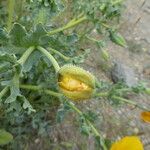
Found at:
[75, 82]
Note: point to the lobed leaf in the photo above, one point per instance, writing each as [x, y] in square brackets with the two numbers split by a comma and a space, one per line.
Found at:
[17, 35]
[3, 36]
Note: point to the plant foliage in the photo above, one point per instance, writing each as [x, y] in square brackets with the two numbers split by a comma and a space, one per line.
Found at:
[33, 42]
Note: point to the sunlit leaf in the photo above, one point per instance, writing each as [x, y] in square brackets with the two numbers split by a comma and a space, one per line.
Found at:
[5, 137]
[27, 105]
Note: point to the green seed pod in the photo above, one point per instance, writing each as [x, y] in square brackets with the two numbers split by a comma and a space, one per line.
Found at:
[75, 82]
[117, 38]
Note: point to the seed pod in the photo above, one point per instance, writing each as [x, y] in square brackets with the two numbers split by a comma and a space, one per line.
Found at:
[117, 38]
[75, 82]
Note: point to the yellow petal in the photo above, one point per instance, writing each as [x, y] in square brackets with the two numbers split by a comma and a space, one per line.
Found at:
[71, 84]
[128, 143]
[145, 116]
[75, 82]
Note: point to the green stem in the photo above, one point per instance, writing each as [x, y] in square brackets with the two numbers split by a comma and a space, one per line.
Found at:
[49, 92]
[105, 25]
[11, 8]
[50, 57]
[26, 55]
[3, 92]
[37, 88]
[106, 94]
[130, 102]
[102, 94]
[71, 24]
[102, 141]
[19, 11]
[96, 133]
[60, 54]
[91, 39]
[117, 2]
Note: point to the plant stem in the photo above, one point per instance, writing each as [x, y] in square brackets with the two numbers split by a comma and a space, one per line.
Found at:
[96, 133]
[117, 2]
[50, 57]
[3, 92]
[102, 94]
[102, 141]
[37, 88]
[49, 92]
[105, 25]
[11, 8]
[130, 102]
[26, 55]
[19, 9]
[106, 94]
[91, 39]
[71, 24]
[60, 54]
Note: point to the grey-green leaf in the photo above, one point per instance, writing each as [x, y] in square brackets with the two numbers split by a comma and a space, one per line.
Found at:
[14, 89]
[32, 60]
[27, 105]
[3, 36]
[7, 58]
[34, 36]
[17, 35]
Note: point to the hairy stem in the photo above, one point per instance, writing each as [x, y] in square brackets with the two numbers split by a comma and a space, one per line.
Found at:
[94, 130]
[58, 53]
[102, 94]
[117, 2]
[130, 102]
[11, 8]
[37, 88]
[50, 57]
[26, 55]
[71, 24]
[106, 94]
[105, 25]
[49, 92]
[19, 9]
